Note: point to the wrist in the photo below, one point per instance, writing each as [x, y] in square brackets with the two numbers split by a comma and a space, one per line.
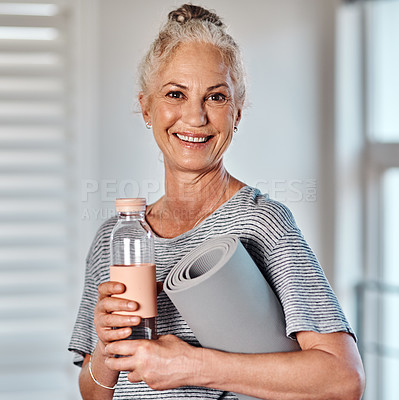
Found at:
[95, 380]
[204, 372]
[100, 373]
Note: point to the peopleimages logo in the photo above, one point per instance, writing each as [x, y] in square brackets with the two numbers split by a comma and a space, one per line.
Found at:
[107, 190]
[110, 189]
[290, 190]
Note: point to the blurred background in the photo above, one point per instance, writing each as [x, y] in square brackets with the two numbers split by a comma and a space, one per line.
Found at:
[320, 134]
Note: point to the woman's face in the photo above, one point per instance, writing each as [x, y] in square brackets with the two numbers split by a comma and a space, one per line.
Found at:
[191, 106]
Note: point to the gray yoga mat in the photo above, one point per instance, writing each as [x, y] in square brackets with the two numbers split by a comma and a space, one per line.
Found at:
[226, 301]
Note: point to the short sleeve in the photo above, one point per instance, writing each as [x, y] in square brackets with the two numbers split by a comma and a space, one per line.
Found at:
[307, 298]
[84, 336]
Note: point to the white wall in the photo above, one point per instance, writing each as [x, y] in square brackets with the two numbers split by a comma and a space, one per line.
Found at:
[283, 145]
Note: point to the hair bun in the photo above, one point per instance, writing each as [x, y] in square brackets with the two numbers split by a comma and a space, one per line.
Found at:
[188, 11]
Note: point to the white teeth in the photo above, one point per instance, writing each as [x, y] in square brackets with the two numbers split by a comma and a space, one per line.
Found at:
[192, 139]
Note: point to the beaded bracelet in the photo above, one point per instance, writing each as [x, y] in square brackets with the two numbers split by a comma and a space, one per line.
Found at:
[96, 381]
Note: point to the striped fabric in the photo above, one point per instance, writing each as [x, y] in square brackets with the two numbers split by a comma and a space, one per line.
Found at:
[268, 231]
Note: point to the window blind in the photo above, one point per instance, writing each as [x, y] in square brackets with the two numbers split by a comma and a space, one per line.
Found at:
[36, 211]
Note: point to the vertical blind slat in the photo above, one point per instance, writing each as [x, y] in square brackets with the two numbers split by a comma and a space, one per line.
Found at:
[35, 210]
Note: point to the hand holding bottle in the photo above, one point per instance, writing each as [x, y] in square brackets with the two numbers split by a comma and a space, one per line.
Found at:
[110, 325]
[163, 364]
[106, 317]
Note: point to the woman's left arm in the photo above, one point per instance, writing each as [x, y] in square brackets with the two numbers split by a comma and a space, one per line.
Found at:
[328, 367]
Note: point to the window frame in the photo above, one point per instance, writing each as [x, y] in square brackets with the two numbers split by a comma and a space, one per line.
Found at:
[371, 159]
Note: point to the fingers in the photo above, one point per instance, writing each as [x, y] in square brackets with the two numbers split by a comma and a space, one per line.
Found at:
[124, 364]
[110, 288]
[114, 288]
[131, 355]
[116, 304]
[108, 304]
[119, 363]
[111, 328]
[113, 315]
[125, 347]
[163, 364]
[111, 335]
[134, 377]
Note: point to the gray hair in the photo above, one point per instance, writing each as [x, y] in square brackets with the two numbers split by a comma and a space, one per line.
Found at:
[187, 24]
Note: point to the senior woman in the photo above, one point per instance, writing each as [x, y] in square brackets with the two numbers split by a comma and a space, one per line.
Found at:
[192, 95]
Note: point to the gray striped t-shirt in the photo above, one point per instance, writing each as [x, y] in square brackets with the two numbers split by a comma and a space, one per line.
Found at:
[268, 231]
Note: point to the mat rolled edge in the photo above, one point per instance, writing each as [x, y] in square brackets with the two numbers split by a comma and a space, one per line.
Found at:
[226, 301]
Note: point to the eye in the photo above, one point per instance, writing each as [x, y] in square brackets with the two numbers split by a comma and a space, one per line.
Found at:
[174, 94]
[217, 98]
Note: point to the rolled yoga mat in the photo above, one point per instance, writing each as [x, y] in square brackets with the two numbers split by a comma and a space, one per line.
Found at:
[226, 301]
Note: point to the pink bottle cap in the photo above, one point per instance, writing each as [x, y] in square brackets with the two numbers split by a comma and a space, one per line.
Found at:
[133, 204]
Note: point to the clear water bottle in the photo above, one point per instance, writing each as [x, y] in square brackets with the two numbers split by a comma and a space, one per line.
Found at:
[133, 264]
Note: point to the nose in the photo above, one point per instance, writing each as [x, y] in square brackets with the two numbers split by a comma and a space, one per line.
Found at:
[194, 113]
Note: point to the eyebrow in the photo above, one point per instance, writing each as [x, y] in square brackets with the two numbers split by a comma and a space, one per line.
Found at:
[223, 84]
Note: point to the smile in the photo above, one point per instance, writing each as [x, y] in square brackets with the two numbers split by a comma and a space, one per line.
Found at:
[193, 139]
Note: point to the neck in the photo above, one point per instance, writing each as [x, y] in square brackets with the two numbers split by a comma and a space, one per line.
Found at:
[193, 193]
[189, 199]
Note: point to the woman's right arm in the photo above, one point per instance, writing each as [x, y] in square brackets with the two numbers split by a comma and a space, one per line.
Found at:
[88, 388]
[105, 321]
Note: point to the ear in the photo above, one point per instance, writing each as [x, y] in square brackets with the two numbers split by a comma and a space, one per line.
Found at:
[238, 117]
[145, 106]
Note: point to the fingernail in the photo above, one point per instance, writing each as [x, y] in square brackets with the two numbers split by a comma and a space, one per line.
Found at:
[132, 305]
[134, 320]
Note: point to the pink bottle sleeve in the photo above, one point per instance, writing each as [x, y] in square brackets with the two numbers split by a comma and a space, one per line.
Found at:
[140, 282]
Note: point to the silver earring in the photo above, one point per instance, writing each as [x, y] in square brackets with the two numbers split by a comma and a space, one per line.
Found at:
[235, 129]
[148, 125]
